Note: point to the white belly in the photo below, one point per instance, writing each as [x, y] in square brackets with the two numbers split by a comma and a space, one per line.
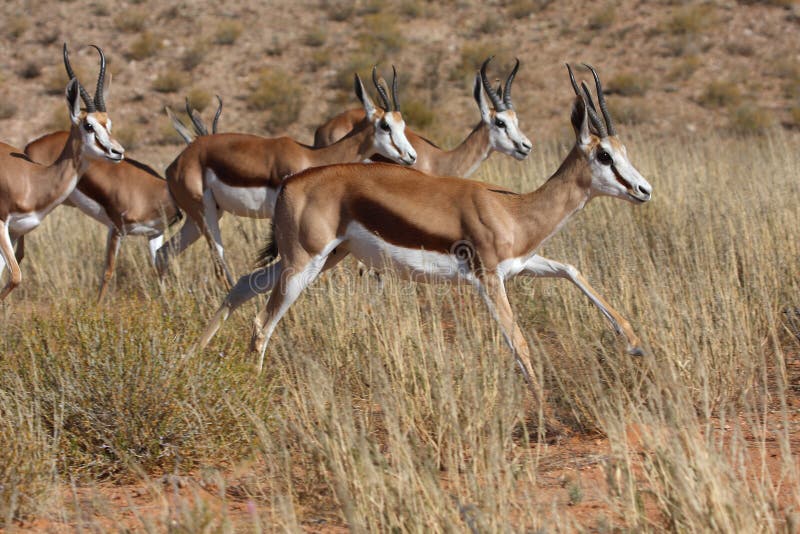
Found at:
[409, 263]
[90, 207]
[254, 202]
[22, 223]
[146, 228]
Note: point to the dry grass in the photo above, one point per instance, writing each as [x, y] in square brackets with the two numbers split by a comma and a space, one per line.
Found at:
[275, 91]
[399, 408]
[227, 32]
[145, 46]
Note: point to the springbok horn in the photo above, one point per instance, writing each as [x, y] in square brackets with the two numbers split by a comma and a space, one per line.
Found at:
[496, 102]
[87, 100]
[600, 127]
[395, 100]
[380, 88]
[601, 99]
[197, 122]
[216, 115]
[99, 102]
[509, 81]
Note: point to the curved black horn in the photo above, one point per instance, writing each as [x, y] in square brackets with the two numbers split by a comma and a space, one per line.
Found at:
[601, 99]
[87, 100]
[99, 101]
[496, 102]
[216, 115]
[509, 81]
[380, 88]
[395, 100]
[197, 122]
[587, 98]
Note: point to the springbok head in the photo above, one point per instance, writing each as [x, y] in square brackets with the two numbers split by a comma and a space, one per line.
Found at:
[93, 122]
[612, 172]
[500, 117]
[390, 137]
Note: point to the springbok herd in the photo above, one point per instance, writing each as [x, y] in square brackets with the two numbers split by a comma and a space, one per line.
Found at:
[368, 187]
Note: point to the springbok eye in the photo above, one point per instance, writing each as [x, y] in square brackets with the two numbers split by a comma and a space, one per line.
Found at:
[500, 123]
[604, 157]
[88, 126]
[385, 126]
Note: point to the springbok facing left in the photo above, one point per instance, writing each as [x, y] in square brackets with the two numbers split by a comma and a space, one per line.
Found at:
[29, 191]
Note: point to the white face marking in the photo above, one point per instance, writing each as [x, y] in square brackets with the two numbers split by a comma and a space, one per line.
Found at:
[606, 162]
[506, 137]
[253, 202]
[96, 135]
[409, 263]
[390, 139]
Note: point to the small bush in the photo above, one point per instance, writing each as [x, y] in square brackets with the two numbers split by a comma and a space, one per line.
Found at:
[359, 63]
[30, 71]
[59, 118]
[144, 47]
[169, 82]
[319, 58]
[417, 114]
[751, 120]
[315, 38]
[227, 32]
[794, 113]
[632, 113]
[15, 27]
[277, 92]
[718, 94]
[628, 84]
[388, 39]
[7, 109]
[131, 20]
[684, 69]
[739, 48]
[472, 55]
[490, 24]
[689, 20]
[414, 9]
[524, 8]
[603, 18]
[199, 98]
[194, 56]
[127, 136]
[339, 10]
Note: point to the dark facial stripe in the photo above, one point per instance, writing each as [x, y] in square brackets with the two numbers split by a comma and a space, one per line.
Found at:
[619, 177]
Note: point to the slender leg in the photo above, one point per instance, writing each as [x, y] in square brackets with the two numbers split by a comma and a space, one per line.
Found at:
[7, 252]
[153, 245]
[211, 216]
[112, 249]
[188, 234]
[20, 250]
[542, 267]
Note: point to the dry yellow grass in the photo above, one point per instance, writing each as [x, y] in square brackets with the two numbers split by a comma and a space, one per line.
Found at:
[400, 407]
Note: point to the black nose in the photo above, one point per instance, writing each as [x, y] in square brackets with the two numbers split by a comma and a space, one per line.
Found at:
[644, 190]
[412, 157]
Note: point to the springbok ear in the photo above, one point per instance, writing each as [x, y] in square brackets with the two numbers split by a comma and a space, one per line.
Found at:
[73, 101]
[366, 101]
[580, 121]
[480, 97]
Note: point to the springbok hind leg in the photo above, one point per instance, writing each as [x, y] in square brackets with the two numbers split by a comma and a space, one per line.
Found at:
[9, 257]
[112, 250]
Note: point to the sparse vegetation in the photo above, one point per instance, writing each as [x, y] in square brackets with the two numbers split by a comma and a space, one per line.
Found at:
[490, 24]
[628, 84]
[719, 94]
[315, 38]
[384, 37]
[227, 32]
[472, 56]
[277, 92]
[603, 17]
[7, 108]
[170, 82]
[320, 58]
[684, 68]
[194, 56]
[127, 135]
[145, 46]
[339, 10]
[30, 70]
[131, 20]
[16, 26]
[523, 8]
[418, 114]
[691, 19]
[199, 98]
[59, 119]
[750, 120]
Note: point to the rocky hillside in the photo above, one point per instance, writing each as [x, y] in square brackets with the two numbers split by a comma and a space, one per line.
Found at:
[284, 67]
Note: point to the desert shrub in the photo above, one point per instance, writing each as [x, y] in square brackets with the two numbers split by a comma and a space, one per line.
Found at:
[277, 92]
[720, 93]
[227, 32]
[319, 58]
[602, 18]
[794, 113]
[775, 3]
[371, 7]
[471, 56]
[748, 120]
[414, 9]
[30, 70]
[417, 113]
[169, 81]
[684, 68]
[740, 48]
[628, 84]
[16, 26]
[339, 10]
[127, 136]
[358, 63]
[145, 46]
[315, 38]
[199, 98]
[7, 108]
[524, 8]
[691, 19]
[491, 23]
[629, 112]
[131, 20]
[58, 118]
[192, 57]
[100, 10]
[384, 37]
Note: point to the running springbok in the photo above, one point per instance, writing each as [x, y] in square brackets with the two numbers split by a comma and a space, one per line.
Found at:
[447, 229]
[29, 191]
[498, 130]
[241, 173]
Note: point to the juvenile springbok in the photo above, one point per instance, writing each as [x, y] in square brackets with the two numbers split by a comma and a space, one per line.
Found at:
[29, 191]
[498, 130]
[447, 229]
[241, 173]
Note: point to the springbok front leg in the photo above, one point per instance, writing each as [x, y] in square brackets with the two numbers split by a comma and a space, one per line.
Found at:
[542, 267]
[10, 259]
[210, 217]
[112, 250]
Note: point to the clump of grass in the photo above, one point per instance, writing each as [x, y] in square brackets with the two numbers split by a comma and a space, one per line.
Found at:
[414, 9]
[320, 58]
[417, 113]
[192, 57]
[519, 9]
[315, 38]
[683, 69]
[145, 46]
[719, 94]
[602, 18]
[689, 20]
[628, 84]
[7, 109]
[387, 39]
[199, 98]
[794, 113]
[489, 24]
[751, 120]
[740, 48]
[227, 32]
[471, 56]
[131, 20]
[339, 10]
[360, 64]
[16, 26]
[59, 119]
[127, 136]
[278, 93]
[30, 70]
[629, 112]
[169, 82]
